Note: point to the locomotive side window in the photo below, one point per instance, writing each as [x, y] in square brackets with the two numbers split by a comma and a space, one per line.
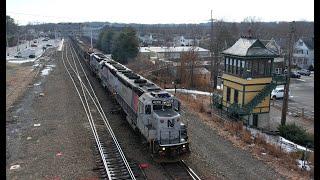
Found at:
[176, 105]
[148, 109]
[140, 107]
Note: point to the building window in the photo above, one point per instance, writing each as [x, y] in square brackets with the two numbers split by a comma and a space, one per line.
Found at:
[225, 64]
[235, 97]
[234, 66]
[262, 68]
[255, 120]
[228, 94]
[255, 67]
[229, 65]
[242, 67]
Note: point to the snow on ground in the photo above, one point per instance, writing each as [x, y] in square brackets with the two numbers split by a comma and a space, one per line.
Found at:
[285, 144]
[47, 70]
[25, 50]
[303, 165]
[61, 45]
[186, 91]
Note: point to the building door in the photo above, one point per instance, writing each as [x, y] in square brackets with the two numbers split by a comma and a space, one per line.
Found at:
[255, 120]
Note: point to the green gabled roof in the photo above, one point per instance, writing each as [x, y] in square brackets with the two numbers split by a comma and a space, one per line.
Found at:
[249, 47]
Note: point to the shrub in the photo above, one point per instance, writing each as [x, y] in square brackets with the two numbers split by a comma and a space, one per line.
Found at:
[296, 134]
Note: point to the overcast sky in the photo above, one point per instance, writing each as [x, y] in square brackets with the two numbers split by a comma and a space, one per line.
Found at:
[158, 11]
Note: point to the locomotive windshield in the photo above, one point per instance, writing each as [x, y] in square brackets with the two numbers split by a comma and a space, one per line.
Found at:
[162, 105]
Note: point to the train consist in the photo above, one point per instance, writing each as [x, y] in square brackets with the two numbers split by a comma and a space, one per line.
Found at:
[150, 110]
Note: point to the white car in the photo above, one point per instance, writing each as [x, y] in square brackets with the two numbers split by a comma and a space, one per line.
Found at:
[278, 92]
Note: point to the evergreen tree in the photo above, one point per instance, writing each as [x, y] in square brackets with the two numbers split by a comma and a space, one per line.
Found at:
[126, 46]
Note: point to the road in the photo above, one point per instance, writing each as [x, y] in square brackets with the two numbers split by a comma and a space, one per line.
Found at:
[302, 95]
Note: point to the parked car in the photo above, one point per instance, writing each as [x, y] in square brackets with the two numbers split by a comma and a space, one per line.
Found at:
[32, 56]
[34, 45]
[278, 92]
[304, 72]
[48, 45]
[295, 75]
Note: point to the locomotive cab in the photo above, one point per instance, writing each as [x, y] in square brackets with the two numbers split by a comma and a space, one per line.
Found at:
[160, 121]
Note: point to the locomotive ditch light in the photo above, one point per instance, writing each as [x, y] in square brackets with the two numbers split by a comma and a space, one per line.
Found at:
[163, 149]
[184, 146]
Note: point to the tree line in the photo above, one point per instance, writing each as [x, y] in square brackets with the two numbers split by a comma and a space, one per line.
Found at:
[12, 31]
[122, 45]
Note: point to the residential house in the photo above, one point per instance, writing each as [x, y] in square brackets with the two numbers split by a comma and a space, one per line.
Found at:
[182, 41]
[278, 63]
[147, 39]
[303, 53]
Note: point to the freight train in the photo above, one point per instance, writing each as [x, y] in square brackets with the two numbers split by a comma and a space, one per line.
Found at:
[150, 110]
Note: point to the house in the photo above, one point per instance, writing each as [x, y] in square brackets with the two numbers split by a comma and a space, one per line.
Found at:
[278, 63]
[303, 53]
[182, 41]
[147, 39]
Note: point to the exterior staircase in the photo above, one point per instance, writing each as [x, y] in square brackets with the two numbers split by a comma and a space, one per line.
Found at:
[248, 108]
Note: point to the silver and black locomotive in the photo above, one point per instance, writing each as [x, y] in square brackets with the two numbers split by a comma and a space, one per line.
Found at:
[150, 110]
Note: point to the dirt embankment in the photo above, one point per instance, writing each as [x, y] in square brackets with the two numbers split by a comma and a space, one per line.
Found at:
[18, 77]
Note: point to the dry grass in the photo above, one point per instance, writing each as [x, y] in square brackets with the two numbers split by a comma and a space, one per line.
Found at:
[284, 163]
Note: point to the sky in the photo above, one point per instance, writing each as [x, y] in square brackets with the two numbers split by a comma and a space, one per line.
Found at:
[157, 11]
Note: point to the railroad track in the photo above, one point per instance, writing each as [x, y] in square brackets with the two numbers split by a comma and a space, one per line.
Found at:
[112, 162]
[179, 170]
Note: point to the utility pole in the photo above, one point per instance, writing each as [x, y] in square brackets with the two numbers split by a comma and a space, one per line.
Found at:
[286, 87]
[211, 56]
[91, 38]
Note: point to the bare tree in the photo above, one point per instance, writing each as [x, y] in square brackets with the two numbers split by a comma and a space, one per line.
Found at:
[254, 24]
[187, 67]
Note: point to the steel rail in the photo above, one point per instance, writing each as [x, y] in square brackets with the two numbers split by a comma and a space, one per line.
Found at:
[106, 121]
[87, 114]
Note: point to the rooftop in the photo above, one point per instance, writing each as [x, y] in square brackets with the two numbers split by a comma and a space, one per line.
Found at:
[158, 49]
[247, 47]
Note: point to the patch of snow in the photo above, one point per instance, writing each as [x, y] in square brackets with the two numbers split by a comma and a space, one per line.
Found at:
[283, 143]
[16, 61]
[14, 167]
[186, 91]
[47, 70]
[301, 80]
[60, 45]
[37, 84]
[291, 146]
[303, 165]
[36, 125]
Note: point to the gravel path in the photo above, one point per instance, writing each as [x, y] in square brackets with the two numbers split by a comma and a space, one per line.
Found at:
[213, 156]
[60, 147]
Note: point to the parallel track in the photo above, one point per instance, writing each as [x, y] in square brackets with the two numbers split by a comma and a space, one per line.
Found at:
[179, 170]
[113, 163]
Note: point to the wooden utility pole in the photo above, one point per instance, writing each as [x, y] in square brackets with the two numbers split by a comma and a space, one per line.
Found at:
[211, 47]
[286, 87]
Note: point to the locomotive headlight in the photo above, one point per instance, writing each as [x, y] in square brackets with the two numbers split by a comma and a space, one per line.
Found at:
[184, 146]
[163, 149]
